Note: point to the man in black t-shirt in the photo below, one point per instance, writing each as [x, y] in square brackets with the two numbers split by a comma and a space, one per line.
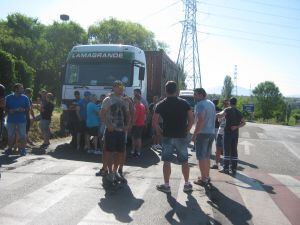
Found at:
[177, 121]
[234, 121]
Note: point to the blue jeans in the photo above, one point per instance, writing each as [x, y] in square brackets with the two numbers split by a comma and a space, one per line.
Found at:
[171, 144]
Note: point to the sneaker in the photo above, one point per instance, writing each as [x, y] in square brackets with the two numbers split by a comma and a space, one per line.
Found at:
[90, 151]
[98, 152]
[188, 187]
[202, 183]
[153, 147]
[8, 152]
[102, 172]
[23, 152]
[163, 188]
[215, 167]
[138, 155]
[226, 171]
[158, 146]
[120, 178]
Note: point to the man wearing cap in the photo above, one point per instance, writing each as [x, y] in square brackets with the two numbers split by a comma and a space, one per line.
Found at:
[81, 111]
[115, 114]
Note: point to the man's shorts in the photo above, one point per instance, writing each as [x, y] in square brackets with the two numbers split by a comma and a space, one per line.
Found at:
[13, 128]
[137, 132]
[93, 131]
[204, 145]
[115, 141]
[45, 126]
[220, 142]
[171, 144]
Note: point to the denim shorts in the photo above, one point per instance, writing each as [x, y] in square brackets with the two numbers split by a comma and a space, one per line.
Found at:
[13, 128]
[45, 126]
[220, 142]
[204, 145]
[171, 144]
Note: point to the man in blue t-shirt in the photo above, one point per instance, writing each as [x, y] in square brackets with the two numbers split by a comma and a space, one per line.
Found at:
[204, 133]
[17, 106]
[81, 111]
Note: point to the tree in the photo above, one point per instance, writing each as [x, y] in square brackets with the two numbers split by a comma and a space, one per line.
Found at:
[7, 70]
[227, 87]
[120, 32]
[268, 99]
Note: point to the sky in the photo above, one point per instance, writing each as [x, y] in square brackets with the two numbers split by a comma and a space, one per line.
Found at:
[260, 37]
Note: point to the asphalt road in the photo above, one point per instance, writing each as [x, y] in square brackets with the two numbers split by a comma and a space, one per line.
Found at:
[59, 187]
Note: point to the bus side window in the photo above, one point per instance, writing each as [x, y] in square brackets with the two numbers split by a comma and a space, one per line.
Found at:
[136, 81]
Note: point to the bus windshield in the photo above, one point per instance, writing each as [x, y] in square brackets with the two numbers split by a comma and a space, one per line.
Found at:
[98, 74]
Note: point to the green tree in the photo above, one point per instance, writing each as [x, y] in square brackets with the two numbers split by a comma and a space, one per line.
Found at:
[227, 87]
[268, 100]
[120, 32]
[7, 70]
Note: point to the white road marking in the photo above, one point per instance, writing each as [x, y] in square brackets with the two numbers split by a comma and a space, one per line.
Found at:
[245, 134]
[263, 209]
[261, 135]
[27, 208]
[291, 183]
[97, 216]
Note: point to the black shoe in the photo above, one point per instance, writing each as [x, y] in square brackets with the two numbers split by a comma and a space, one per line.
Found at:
[215, 167]
[233, 173]
[224, 171]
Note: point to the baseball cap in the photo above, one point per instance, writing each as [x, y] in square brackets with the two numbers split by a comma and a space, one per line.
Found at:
[87, 94]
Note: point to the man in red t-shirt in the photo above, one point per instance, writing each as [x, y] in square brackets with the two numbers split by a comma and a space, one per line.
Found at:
[138, 126]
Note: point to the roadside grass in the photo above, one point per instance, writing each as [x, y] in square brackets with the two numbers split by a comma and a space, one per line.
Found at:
[35, 134]
[292, 122]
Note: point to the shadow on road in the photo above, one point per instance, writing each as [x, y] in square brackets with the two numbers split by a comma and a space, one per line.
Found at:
[121, 204]
[253, 184]
[65, 151]
[241, 162]
[189, 214]
[235, 212]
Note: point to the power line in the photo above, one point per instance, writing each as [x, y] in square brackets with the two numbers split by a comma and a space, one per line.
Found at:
[251, 11]
[250, 21]
[247, 32]
[271, 5]
[249, 39]
[159, 11]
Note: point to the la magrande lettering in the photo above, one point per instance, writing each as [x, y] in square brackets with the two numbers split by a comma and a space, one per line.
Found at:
[98, 55]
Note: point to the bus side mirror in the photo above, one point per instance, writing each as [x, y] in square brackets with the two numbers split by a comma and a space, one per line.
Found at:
[142, 73]
[62, 73]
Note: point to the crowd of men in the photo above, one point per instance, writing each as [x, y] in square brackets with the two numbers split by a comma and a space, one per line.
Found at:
[101, 126]
[18, 109]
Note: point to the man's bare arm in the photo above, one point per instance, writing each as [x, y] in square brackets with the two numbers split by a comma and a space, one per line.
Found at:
[190, 120]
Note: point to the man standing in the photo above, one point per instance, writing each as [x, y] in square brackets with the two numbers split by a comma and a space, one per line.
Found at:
[220, 137]
[115, 114]
[17, 106]
[82, 115]
[204, 133]
[234, 121]
[176, 126]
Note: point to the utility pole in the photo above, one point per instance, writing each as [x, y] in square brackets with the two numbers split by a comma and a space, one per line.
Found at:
[235, 79]
[188, 56]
